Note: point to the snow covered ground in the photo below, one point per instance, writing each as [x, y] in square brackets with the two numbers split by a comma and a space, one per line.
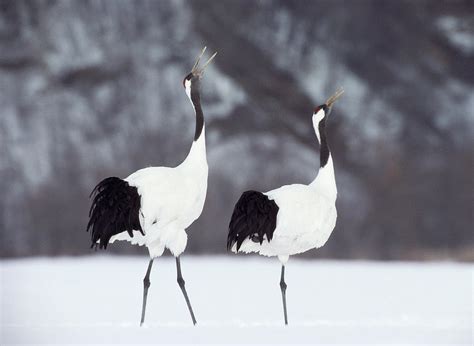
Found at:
[236, 299]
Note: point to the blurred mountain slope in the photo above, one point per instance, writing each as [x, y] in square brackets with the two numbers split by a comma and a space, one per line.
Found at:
[93, 88]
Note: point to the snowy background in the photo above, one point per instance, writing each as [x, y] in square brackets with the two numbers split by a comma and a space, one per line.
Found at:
[90, 89]
[236, 300]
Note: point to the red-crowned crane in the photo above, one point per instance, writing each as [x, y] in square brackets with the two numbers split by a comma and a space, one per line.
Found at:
[293, 218]
[154, 206]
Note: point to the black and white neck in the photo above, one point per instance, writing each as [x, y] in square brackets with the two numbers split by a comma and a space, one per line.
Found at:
[191, 86]
[325, 178]
[198, 148]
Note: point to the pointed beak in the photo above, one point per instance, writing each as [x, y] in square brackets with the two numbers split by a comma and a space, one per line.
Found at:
[330, 101]
[199, 71]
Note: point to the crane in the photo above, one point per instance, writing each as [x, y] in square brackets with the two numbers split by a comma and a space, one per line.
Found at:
[291, 219]
[154, 206]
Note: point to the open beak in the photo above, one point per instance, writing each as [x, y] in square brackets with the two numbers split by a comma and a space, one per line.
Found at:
[199, 71]
[330, 101]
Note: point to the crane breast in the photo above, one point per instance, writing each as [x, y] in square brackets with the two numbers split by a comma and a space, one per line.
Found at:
[169, 195]
[306, 217]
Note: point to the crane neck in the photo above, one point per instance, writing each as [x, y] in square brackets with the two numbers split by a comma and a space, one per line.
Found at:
[325, 178]
[319, 124]
[195, 98]
[324, 151]
[197, 153]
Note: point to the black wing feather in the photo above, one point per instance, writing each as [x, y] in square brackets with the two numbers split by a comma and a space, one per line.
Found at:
[115, 209]
[253, 218]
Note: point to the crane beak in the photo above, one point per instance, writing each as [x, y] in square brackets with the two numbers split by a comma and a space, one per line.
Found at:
[330, 101]
[199, 71]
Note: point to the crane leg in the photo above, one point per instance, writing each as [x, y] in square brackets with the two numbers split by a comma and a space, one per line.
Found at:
[283, 293]
[183, 289]
[146, 285]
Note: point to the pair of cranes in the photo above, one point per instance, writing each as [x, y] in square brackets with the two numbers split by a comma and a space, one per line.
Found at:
[154, 206]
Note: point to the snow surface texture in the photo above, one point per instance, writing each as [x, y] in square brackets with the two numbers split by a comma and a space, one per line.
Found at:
[236, 300]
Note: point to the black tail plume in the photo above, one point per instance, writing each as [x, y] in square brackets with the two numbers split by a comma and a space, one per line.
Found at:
[115, 209]
[254, 217]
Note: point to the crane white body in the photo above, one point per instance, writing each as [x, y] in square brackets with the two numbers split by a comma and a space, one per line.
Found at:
[307, 213]
[171, 200]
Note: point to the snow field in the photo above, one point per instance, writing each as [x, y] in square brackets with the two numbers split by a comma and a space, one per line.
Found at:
[236, 299]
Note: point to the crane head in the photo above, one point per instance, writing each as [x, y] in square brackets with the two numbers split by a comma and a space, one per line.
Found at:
[326, 107]
[197, 71]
